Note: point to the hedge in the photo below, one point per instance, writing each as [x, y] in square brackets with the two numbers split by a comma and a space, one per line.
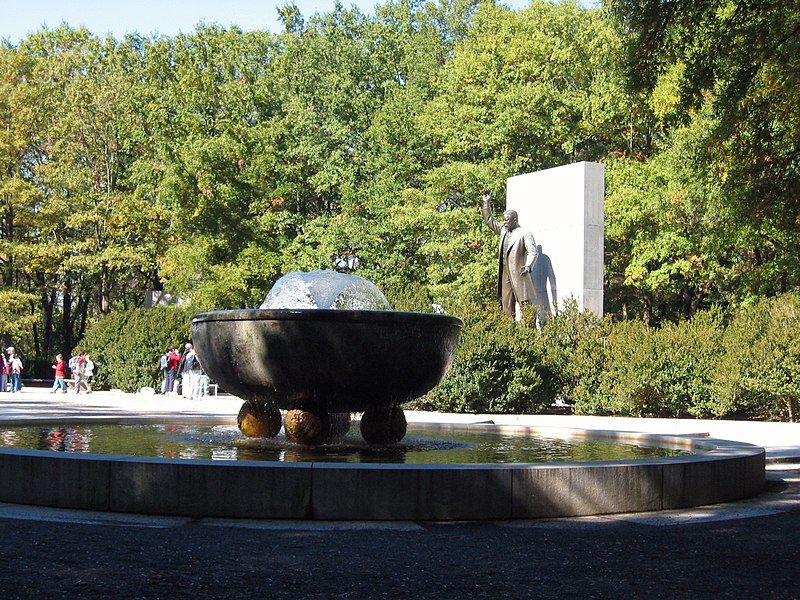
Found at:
[126, 345]
[759, 372]
[498, 368]
[749, 368]
[701, 367]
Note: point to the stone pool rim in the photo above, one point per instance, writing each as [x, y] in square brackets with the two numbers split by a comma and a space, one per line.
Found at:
[726, 471]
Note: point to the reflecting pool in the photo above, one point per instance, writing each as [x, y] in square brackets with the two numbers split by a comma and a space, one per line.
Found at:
[422, 445]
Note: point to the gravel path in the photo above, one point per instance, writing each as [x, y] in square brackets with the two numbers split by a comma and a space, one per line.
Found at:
[581, 558]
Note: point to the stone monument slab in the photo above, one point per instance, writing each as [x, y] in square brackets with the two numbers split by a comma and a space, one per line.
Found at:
[564, 208]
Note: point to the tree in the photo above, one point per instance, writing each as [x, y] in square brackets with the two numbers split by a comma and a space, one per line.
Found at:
[740, 61]
[532, 89]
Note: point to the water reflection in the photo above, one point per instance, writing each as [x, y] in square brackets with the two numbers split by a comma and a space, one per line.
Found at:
[225, 442]
[77, 440]
[224, 453]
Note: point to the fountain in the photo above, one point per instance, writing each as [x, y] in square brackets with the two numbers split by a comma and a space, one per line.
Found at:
[321, 346]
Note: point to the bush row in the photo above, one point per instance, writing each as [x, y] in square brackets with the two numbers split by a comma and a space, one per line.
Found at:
[126, 345]
[748, 367]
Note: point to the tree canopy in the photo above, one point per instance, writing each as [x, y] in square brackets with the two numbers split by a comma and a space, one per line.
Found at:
[209, 163]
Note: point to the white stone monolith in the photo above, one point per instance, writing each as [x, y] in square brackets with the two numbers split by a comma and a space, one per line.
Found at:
[563, 208]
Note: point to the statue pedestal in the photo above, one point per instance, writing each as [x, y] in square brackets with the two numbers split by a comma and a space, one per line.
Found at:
[563, 208]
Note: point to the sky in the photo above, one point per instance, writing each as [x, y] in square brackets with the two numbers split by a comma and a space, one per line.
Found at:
[168, 17]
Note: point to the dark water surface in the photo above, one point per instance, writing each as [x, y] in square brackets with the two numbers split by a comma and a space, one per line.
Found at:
[224, 442]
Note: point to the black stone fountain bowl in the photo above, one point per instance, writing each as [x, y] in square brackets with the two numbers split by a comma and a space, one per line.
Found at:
[329, 360]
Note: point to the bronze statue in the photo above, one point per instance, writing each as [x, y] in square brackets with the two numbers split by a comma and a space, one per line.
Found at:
[516, 255]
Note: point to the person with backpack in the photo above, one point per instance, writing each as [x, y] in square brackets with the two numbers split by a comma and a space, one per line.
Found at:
[189, 368]
[16, 370]
[76, 368]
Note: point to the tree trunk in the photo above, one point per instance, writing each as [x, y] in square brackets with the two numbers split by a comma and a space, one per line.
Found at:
[66, 319]
[790, 405]
[686, 294]
[48, 302]
[697, 300]
[8, 235]
[105, 290]
[83, 313]
[648, 310]
[37, 348]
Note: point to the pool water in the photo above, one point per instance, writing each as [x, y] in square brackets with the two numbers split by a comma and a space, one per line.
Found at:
[225, 442]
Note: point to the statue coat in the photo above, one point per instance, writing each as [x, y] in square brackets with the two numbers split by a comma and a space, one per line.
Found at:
[521, 252]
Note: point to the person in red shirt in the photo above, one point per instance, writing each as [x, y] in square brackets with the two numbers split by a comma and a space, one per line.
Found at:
[173, 359]
[59, 373]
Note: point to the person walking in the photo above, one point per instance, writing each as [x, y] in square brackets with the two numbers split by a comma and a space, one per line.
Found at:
[59, 372]
[76, 369]
[16, 370]
[88, 373]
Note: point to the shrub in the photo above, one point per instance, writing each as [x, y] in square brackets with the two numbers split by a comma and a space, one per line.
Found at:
[410, 297]
[626, 385]
[667, 372]
[498, 368]
[126, 345]
[692, 350]
[759, 373]
[572, 346]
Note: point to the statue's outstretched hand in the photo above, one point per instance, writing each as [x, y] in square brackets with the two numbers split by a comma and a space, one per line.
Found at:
[487, 196]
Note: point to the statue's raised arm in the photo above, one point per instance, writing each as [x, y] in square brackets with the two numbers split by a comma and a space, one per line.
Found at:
[486, 209]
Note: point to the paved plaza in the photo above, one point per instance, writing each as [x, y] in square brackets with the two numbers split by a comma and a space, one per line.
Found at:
[738, 550]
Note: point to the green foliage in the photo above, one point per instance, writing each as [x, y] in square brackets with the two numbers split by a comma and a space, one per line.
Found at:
[16, 317]
[674, 244]
[693, 351]
[126, 345]
[532, 89]
[734, 69]
[498, 368]
[667, 372]
[210, 163]
[759, 373]
[573, 349]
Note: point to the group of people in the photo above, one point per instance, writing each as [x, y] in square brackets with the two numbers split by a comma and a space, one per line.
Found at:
[10, 370]
[183, 371]
[81, 367]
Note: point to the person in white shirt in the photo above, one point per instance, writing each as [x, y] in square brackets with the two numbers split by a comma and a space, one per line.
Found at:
[88, 374]
[16, 370]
